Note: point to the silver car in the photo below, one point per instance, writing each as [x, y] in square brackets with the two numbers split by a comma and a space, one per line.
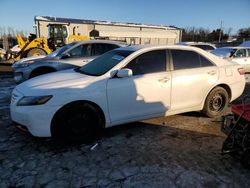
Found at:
[73, 55]
[238, 54]
[202, 45]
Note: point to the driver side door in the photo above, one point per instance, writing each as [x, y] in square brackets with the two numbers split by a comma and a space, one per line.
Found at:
[78, 56]
[145, 94]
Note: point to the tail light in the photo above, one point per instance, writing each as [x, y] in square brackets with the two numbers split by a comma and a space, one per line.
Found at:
[241, 71]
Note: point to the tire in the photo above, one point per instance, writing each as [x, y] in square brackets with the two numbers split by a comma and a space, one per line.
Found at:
[216, 102]
[77, 123]
[245, 160]
[36, 52]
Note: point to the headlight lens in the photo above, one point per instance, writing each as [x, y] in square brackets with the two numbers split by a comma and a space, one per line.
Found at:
[33, 100]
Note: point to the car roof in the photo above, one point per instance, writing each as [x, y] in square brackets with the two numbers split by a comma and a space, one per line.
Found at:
[101, 41]
[138, 47]
[195, 43]
[145, 48]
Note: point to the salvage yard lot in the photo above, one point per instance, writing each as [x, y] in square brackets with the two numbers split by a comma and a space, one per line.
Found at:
[176, 151]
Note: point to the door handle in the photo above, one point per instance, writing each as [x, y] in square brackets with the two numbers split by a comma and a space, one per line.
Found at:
[164, 80]
[212, 72]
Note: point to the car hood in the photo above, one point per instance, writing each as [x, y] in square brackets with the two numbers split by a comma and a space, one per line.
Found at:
[54, 81]
[32, 58]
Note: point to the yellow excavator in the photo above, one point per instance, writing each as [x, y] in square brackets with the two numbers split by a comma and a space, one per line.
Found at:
[58, 37]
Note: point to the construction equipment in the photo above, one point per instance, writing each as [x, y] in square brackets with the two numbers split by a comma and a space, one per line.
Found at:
[58, 36]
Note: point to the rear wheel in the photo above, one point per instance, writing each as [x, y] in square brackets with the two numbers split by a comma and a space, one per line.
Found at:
[36, 52]
[77, 123]
[216, 102]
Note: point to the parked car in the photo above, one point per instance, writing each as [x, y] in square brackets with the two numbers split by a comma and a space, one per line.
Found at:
[240, 55]
[125, 85]
[72, 55]
[202, 45]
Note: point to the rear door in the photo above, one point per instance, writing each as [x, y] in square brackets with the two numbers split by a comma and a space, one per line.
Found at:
[193, 76]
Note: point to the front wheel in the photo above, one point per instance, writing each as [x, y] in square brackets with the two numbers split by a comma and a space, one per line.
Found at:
[77, 123]
[216, 102]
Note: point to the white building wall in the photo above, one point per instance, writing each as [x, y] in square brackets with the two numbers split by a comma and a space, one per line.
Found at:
[130, 34]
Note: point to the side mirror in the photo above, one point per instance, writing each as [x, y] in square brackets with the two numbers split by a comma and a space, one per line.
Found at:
[124, 73]
[65, 56]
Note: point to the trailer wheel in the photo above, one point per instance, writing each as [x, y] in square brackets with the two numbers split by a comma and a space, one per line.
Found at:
[36, 52]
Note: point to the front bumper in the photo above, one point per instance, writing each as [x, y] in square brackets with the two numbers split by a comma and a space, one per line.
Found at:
[37, 119]
[21, 74]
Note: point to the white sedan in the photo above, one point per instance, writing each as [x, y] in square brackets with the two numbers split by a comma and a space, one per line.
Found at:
[125, 85]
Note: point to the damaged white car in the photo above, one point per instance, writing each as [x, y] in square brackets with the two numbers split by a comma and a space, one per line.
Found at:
[125, 85]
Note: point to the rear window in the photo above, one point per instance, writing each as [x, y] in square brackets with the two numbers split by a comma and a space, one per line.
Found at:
[184, 59]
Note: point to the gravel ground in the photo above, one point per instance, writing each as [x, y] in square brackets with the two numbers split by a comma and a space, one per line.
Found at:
[176, 151]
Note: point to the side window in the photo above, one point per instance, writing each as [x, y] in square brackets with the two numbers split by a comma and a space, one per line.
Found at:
[183, 59]
[86, 50]
[240, 53]
[248, 50]
[81, 51]
[64, 30]
[205, 62]
[76, 52]
[99, 49]
[149, 62]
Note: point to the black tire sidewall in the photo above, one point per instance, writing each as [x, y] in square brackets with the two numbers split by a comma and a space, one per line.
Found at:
[207, 110]
[61, 129]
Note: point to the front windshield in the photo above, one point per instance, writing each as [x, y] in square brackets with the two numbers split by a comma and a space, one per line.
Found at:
[104, 63]
[224, 52]
[59, 51]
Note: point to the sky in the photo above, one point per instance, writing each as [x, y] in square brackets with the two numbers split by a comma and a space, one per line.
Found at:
[208, 14]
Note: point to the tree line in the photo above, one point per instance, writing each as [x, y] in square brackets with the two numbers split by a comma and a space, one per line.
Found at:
[12, 32]
[217, 35]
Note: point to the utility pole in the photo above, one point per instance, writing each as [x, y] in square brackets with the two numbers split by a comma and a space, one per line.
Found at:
[193, 35]
[220, 31]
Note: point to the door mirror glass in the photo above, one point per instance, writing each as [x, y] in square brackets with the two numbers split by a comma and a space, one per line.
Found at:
[65, 56]
[123, 73]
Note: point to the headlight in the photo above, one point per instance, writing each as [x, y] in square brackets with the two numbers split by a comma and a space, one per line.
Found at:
[23, 63]
[33, 100]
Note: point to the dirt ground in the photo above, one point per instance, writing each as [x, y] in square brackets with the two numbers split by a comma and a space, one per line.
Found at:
[176, 151]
